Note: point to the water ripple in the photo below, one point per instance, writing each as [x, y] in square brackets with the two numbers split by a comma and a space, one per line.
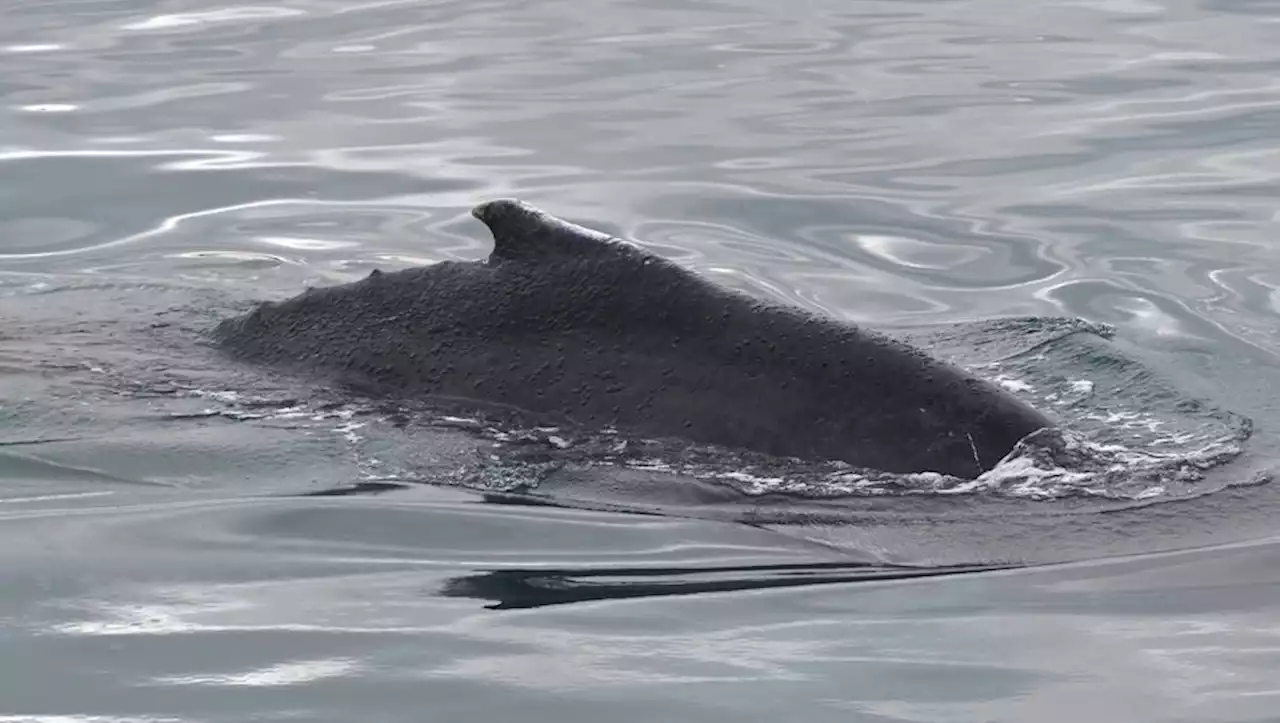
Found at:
[883, 161]
[833, 129]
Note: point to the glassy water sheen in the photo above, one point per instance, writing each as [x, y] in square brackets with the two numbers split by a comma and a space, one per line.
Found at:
[1076, 199]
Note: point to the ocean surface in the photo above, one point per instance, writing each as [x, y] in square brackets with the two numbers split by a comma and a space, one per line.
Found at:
[1076, 199]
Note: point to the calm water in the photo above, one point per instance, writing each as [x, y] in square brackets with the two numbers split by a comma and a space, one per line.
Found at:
[182, 540]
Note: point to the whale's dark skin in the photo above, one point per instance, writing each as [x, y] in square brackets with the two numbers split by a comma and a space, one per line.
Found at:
[570, 322]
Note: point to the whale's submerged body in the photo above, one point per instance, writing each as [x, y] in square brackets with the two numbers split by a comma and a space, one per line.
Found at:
[566, 321]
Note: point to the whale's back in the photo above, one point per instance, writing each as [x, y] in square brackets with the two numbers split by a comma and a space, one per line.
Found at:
[566, 321]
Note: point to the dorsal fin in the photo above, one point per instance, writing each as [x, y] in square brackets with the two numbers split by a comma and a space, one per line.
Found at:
[523, 233]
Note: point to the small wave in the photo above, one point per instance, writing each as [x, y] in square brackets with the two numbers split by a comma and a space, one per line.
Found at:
[1048, 465]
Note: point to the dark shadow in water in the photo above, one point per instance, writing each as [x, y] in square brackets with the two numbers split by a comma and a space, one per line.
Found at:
[358, 488]
[522, 589]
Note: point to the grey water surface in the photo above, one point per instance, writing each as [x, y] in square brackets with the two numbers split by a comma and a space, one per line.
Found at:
[1076, 199]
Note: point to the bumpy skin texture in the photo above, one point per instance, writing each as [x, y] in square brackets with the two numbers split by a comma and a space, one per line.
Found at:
[567, 321]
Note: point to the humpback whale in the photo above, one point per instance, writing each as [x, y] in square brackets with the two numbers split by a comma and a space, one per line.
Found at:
[566, 321]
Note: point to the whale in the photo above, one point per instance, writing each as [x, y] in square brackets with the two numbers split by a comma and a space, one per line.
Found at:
[593, 330]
